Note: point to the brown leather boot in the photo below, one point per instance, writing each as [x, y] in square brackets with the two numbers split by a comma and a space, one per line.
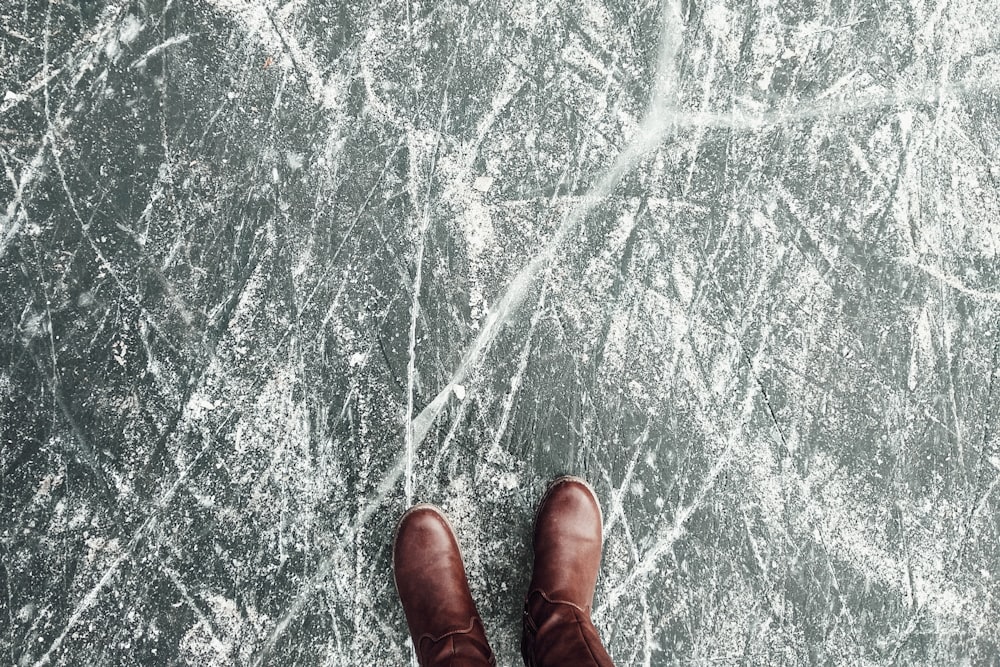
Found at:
[557, 629]
[427, 564]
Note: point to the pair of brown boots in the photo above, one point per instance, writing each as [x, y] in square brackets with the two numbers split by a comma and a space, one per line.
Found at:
[444, 625]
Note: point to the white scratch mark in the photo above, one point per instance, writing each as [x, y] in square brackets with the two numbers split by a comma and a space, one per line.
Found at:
[515, 381]
[950, 280]
[617, 509]
[832, 108]
[15, 215]
[657, 118]
[257, 20]
[327, 565]
[411, 367]
[91, 597]
[157, 50]
[417, 145]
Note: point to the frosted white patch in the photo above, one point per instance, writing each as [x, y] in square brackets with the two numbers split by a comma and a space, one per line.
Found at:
[204, 403]
[922, 348]
[474, 219]
[358, 359]
[204, 499]
[118, 351]
[459, 391]
[762, 222]
[459, 486]
[905, 119]
[332, 94]
[295, 161]
[100, 549]
[33, 325]
[477, 303]
[616, 343]
[483, 183]
[527, 15]
[44, 493]
[10, 97]
[716, 20]
[304, 261]
[275, 176]
[618, 238]
[269, 156]
[200, 644]
[597, 16]
[130, 29]
[766, 49]
[26, 613]
[685, 287]
[767, 485]
[764, 82]
[508, 481]
[79, 519]
[113, 50]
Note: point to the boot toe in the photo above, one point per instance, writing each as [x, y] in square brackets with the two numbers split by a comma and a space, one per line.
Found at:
[429, 573]
[569, 510]
[433, 589]
[423, 531]
[567, 543]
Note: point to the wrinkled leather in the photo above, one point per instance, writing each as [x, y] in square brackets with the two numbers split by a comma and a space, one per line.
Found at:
[430, 577]
[557, 628]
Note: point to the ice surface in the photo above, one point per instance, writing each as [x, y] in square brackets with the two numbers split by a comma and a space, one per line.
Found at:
[270, 272]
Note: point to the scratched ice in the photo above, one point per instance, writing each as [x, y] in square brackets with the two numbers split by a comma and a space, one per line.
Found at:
[272, 272]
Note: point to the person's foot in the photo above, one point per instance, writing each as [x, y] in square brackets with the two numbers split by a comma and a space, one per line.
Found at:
[567, 558]
[427, 565]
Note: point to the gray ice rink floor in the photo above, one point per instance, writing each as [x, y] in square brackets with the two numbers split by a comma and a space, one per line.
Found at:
[271, 272]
